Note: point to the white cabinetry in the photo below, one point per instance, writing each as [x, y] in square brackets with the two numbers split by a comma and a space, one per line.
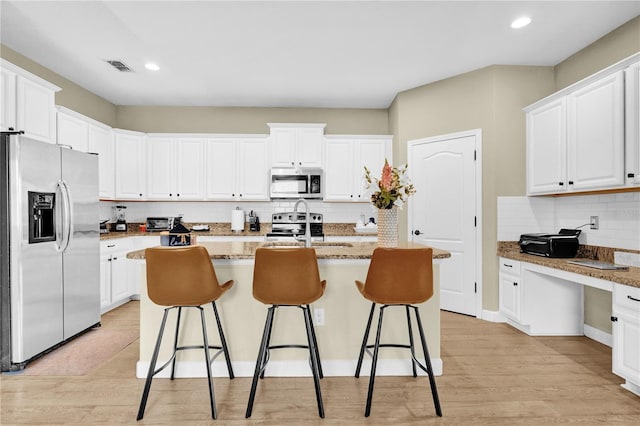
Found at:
[346, 157]
[296, 145]
[175, 168]
[632, 121]
[576, 137]
[509, 291]
[101, 142]
[114, 273]
[626, 335]
[28, 103]
[72, 131]
[130, 165]
[237, 169]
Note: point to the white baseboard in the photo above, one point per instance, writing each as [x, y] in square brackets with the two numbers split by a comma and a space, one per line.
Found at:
[332, 368]
[598, 335]
[492, 316]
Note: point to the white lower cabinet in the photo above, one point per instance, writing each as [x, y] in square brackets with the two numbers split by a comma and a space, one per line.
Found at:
[509, 293]
[626, 335]
[114, 273]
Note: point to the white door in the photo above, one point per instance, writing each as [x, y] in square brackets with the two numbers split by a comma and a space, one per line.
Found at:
[442, 213]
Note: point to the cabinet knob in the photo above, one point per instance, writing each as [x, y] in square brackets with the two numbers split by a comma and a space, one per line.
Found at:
[614, 319]
[293, 163]
[515, 284]
[630, 175]
[140, 195]
[239, 195]
[570, 182]
[177, 195]
[417, 232]
[233, 195]
[170, 194]
[351, 195]
[561, 183]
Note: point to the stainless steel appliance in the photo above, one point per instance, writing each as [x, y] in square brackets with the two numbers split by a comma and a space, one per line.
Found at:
[121, 218]
[155, 224]
[296, 183]
[561, 245]
[287, 226]
[49, 247]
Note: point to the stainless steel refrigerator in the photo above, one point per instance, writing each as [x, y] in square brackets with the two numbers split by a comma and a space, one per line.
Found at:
[49, 247]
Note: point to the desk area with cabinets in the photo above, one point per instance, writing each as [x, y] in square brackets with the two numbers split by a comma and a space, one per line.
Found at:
[544, 296]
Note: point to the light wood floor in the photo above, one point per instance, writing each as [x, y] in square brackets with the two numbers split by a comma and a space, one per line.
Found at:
[493, 374]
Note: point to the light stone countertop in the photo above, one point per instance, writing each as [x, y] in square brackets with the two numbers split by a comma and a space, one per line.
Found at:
[337, 250]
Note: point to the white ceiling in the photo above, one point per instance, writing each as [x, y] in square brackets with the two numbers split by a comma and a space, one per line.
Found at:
[342, 54]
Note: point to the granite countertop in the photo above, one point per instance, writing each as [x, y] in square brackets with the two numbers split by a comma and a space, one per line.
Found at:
[247, 249]
[221, 229]
[511, 250]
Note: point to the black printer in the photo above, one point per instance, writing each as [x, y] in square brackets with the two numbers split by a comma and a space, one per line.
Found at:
[563, 244]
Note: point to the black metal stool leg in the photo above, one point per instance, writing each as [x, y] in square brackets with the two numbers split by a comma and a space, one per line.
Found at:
[374, 362]
[207, 358]
[315, 344]
[315, 362]
[265, 359]
[427, 359]
[364, 340]
[413, 361]
[260, 360]
[223, 341]
[175, 343]
[152, 367]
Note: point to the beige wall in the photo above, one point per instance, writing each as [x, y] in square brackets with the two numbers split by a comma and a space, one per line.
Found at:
[249, 120]
[490, 99]
[71, 96]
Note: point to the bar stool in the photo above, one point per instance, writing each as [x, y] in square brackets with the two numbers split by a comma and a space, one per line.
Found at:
[398, 277]
[184, 277]
[281, 278]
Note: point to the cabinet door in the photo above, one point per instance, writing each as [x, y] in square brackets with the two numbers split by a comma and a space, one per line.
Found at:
[252, 170]
[546, 149]
[595, 141]
[130, 166]
[370, 153]
[161, 163]
[105, 281]
[309, 147]
[626, 345]
[189, 170]
[101, 142]
[35, 111]
[72, 132]
[632, 123]
[283, 145]
[509, 298]
[339, 170]
[7, 100]
[119, 277]
[220, 168]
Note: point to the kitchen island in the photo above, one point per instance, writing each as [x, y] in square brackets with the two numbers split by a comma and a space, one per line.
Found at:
[343, 310]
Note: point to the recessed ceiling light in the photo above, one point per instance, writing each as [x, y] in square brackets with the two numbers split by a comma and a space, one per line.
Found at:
[521, 22]
[151, 66]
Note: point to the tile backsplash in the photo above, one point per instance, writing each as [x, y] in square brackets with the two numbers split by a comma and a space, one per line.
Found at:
[221, 211]
[619, 216]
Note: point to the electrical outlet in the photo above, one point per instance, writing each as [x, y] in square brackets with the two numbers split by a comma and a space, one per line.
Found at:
[318, 316]
[595, 222]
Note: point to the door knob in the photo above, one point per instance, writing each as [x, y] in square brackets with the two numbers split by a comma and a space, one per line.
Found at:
[417, 232]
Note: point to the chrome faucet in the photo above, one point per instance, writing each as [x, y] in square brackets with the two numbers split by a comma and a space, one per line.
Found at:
[307, 225]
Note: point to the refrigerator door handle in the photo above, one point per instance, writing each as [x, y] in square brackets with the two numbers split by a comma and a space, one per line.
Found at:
[66, 216]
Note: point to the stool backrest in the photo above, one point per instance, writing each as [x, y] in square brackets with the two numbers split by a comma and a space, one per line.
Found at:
[400, 275]
[181, 276]
[286, 276]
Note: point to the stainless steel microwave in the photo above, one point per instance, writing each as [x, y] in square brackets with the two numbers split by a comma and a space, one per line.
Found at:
[296, 183]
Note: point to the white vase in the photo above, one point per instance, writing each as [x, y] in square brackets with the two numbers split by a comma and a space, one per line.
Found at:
[388, 227]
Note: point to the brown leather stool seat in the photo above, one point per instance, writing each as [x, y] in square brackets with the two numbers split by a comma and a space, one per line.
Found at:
[184, 277]
[287, 277]
[398, 277]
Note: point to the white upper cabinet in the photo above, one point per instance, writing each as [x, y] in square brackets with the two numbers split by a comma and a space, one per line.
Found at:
[595, 135]
[101, 142]
[174, 168]
[576, 137]
[72, 131]
[346, 157]
[237, 169]
[130, 165]
[28, 103]
[632, 121]
[296, 145]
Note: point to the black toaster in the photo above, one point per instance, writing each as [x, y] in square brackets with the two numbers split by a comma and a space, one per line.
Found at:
[563, 244]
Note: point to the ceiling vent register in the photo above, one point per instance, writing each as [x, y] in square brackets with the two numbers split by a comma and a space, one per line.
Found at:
[119, 65]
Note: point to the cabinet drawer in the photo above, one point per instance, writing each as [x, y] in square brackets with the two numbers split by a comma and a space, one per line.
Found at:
[627, 297]
[508, 266]
[112, 246]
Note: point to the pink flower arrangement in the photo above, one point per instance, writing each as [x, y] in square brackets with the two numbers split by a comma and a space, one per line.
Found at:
[393, 187]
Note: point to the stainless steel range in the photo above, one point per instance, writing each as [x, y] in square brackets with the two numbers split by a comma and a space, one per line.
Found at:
[287, 225]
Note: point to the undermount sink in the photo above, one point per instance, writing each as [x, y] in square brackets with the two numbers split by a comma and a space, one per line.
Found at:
[316, 245]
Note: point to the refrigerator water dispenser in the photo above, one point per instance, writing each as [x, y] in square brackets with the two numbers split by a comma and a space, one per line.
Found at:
[42, 221]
